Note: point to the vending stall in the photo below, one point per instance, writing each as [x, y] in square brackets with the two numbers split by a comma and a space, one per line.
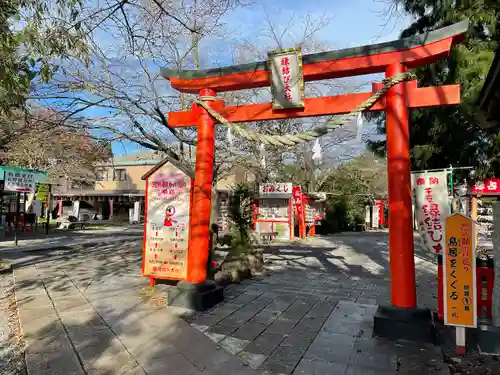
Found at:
[273, 212]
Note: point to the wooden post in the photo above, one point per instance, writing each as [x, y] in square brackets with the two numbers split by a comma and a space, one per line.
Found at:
[18, 204]
[199, 217]
[460, 341]
[49, 211]
[402, 263]
[111, 209]
[473, 214]
[1, 206]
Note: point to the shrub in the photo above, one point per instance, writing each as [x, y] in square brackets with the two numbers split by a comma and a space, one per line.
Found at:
[240, 212]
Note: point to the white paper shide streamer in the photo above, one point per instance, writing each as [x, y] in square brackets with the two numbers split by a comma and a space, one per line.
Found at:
[229, 136]
[263, 154]
[359, 126]
[317, 155]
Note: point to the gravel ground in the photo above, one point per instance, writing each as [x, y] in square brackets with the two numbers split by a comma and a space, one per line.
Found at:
[472, 363]
[11, 338]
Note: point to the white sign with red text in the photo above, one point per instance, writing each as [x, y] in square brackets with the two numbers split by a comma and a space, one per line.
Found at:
[275, 188]
[488, 186]
[166, 224]
[430, 190]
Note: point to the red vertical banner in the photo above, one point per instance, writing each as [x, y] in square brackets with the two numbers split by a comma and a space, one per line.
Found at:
[299, 208]
[381, 213]
[255, 214]
[304, 215]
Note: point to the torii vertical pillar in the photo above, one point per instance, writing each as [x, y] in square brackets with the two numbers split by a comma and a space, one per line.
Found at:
[197, 292]
[402, 262]
[402, 319]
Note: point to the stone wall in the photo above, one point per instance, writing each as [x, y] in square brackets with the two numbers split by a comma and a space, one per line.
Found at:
[496, 255]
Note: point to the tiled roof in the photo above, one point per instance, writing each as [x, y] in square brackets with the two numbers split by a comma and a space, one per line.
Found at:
[147, 157]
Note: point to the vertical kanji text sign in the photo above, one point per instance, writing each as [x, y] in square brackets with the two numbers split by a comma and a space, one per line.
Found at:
[460, 305]
[287, 78]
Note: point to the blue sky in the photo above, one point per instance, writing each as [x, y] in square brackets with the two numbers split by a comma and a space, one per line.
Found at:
[353, 23]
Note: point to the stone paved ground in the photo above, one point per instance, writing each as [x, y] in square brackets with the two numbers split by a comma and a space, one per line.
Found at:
[88, 312]
[59, 238]
[11, 341]
[313, 312]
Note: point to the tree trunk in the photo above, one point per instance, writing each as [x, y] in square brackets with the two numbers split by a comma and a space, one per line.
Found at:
[495, 235]
[214, 213]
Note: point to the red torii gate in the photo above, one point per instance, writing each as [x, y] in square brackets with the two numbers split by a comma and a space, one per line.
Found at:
[391, 58]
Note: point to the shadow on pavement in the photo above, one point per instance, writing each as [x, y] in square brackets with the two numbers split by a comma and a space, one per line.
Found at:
[95, 303]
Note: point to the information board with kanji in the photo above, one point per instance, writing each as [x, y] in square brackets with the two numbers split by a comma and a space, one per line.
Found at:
[21, 182]
[488, 186]
[459, 272]
[166, 224]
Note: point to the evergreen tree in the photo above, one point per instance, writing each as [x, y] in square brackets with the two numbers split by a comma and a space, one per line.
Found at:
[445, 136]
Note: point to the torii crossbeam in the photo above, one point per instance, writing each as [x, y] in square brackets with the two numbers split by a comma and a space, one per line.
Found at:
[391, 58]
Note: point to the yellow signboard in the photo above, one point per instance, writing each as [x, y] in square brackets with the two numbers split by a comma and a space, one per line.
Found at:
[42, 192]
[459, 272]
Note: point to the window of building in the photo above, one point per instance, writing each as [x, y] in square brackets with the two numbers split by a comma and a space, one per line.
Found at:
[102, 175]
[120, 175]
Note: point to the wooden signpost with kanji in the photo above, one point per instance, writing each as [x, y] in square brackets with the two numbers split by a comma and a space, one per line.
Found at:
[397, 95]
[459, 269]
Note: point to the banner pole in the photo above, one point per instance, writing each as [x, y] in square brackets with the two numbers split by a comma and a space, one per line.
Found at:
[451, 190]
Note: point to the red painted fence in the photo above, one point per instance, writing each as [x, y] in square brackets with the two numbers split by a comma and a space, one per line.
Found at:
[484, 288]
